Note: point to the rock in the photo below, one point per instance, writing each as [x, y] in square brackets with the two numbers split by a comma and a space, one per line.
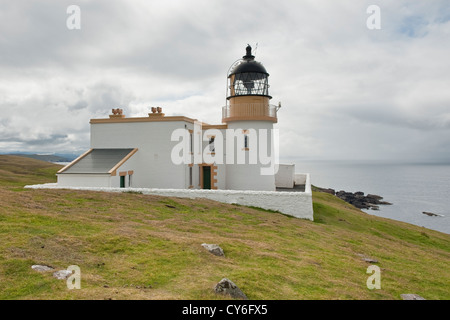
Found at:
[228, 287]
[374, 196]
[41, 268]
[359, 200]
[214, 249]
[431, 214]
[62, 274]
[411, 296]
[366, 258]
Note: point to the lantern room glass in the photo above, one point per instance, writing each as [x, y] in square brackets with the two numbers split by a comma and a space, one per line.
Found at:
[250, 83]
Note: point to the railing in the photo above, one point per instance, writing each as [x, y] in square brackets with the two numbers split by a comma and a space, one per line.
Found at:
[249, 111]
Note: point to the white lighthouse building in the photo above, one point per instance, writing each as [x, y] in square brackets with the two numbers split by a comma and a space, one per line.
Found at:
[145, 152]
[177, 156]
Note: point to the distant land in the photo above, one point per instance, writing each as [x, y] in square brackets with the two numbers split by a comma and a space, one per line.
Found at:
[47, 157]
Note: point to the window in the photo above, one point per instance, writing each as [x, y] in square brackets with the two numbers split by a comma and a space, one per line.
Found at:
[190, 177]
[191, 141]
[211, 144]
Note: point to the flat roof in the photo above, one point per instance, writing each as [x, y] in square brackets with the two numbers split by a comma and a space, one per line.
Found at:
[143, 119]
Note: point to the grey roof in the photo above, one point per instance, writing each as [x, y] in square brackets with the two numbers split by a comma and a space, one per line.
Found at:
[98, 161]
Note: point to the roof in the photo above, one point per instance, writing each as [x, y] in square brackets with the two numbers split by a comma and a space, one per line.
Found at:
[99, 161]
[247, 67]
[143, 119]
[248, 64]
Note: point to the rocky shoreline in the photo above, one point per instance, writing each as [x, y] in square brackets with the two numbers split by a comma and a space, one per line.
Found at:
[357, 199]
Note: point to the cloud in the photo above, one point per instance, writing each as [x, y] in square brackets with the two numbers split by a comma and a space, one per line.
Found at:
[346, 91]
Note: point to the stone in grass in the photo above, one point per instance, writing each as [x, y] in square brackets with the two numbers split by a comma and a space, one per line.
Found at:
[411, 296]
[367, 259]
[62, 274]
[228, 287]
[41, 268]
[214, 249]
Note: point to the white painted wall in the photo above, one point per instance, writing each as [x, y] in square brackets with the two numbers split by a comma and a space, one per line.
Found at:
[129, 165]
[301, 178]
[284, 178]
[84, 180]
[248, 176]
[152, 164]
[297, 204]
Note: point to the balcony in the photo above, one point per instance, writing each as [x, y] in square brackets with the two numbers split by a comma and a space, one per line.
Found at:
[249, 111]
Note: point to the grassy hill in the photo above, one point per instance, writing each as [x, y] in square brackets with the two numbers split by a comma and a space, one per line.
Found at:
[134, 246]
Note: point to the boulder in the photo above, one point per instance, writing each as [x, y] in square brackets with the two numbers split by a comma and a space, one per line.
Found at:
[41, 268]
[228, 287]
[359, 200]
[62, 274]
[214, 249]
[367, 258]
[374, 196]
[411, 296]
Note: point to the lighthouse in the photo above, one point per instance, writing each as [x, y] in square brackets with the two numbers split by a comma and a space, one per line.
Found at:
[176, 155]
[248, 110]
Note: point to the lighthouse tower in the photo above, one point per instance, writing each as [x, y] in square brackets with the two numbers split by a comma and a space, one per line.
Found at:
[248, 111]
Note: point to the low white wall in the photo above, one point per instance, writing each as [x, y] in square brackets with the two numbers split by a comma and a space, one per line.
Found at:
[297, 204]
[284, 178]
[300, 178]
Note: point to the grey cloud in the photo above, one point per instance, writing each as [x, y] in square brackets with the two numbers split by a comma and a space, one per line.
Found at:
[334, 77]
[79, 105]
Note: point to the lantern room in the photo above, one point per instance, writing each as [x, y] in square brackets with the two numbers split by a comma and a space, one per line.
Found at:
[248, 92]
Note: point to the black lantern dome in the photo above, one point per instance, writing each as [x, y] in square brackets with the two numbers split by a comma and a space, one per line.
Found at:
[248, 78]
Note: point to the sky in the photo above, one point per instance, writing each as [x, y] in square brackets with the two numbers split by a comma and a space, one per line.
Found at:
[348, 92]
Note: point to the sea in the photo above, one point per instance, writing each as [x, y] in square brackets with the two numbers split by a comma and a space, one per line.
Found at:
[412, 188]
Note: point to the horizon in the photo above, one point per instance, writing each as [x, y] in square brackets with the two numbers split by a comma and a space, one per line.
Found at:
[285, 160]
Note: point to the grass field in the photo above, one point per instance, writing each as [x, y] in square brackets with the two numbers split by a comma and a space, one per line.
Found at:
[134, 246]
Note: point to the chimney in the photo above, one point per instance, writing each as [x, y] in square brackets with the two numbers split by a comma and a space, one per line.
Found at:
[156, 111]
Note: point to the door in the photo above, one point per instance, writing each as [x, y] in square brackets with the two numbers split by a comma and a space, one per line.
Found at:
[206, 177]
[122, 181]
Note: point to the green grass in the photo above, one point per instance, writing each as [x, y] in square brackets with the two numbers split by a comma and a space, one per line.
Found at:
[135, 246]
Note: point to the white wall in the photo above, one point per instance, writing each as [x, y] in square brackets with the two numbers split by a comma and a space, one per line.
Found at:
[285, 176]
[129, 165]
[84, 180]
[248, 176]
[301, 178]
[297, 204]
[152, 164]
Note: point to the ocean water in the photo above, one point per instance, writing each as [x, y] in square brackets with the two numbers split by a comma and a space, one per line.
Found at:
[412, 188]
